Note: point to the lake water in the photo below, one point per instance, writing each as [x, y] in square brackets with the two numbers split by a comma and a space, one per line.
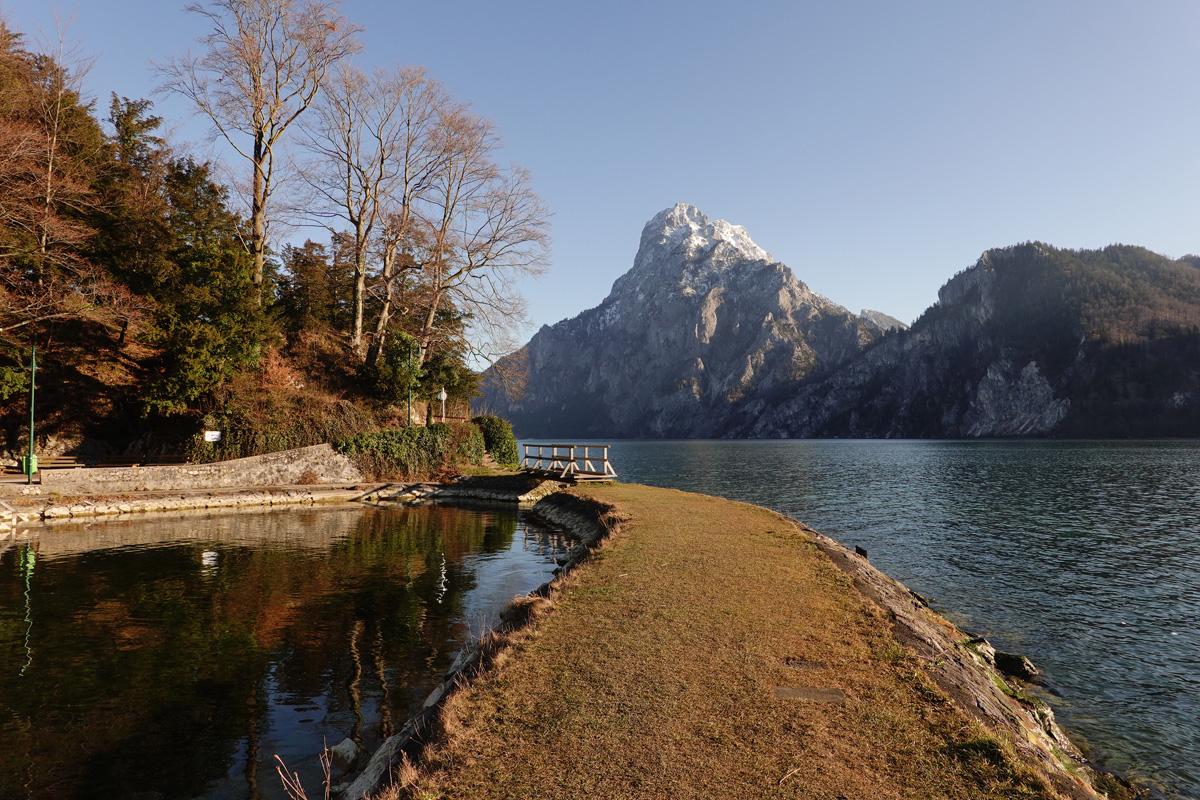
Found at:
[1085, 556]
[174, 657]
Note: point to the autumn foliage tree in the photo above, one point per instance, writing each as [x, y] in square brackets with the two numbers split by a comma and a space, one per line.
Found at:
[51, 153]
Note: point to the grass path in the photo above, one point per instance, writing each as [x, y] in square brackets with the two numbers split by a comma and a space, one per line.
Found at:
[655, 676]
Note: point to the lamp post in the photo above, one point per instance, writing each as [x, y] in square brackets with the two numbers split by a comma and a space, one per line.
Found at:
[442, 396]
[408, 422]
[31, 459]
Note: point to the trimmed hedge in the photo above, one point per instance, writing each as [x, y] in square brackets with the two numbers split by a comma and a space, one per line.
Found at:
[416, 453]
[498, 439]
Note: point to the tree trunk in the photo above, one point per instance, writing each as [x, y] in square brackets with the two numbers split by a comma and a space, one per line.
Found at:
[377, 341]
[427, 328]
[385, 313]
[258, 203]
[360, 286]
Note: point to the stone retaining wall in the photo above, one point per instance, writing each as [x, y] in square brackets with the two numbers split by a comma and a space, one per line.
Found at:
[79, 508]
[309, 465]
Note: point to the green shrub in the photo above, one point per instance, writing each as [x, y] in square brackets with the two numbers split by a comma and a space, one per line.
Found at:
[498, 439]
[461, 443]
[417, 453]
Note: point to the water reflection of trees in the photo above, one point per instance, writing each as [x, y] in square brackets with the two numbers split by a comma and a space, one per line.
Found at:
[158, 664]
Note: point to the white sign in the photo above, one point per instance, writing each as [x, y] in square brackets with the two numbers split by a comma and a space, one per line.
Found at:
[212, 436]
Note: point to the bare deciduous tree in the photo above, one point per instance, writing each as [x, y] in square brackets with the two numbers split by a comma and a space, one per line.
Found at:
[487, 229]
[263, 65]
[424, 154]
[19, 213]
[372, 145]
[65, 166]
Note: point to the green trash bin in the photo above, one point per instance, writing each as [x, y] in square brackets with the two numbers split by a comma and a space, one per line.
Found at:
[28, 465]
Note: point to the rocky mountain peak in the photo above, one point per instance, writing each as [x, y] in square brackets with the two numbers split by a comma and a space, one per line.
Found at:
[705, 322]
[682, 249]
[685, 230]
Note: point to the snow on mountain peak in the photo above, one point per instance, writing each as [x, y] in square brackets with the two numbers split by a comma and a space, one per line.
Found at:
[683, 253]
[684, 229]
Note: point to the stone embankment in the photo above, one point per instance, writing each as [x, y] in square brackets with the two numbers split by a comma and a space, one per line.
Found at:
[319, 464]
[519, 489]
[305, 475]
[82, 507]
[981, 681]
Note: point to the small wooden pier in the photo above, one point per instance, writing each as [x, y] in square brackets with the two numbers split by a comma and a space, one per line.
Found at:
[578, 463]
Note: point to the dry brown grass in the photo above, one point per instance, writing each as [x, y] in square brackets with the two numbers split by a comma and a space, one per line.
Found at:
[654, 677]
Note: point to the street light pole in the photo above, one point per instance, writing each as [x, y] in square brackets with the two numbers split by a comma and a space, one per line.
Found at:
[408, 422]
[30, 461]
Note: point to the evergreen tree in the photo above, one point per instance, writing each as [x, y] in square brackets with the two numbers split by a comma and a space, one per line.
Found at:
[306, 291]
[210, 323]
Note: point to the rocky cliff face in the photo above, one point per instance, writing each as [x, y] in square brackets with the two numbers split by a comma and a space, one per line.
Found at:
[704, 323]
[880, 321]
[922, 382]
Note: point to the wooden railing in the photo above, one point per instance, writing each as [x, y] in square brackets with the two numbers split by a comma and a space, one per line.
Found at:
[579, 462]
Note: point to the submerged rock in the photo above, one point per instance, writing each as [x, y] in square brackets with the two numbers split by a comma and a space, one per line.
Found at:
[344, 755]
[1017, 666]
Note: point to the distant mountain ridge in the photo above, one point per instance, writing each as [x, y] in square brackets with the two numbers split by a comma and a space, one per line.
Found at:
[707, 336]
[1031, 340]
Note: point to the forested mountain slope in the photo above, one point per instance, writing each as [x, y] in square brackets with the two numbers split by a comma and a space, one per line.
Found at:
[1031, 340]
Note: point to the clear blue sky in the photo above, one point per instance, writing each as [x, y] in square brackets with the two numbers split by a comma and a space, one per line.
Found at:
[876, 148]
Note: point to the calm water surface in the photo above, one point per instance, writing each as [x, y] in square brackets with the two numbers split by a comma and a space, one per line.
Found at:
[1085, 556]
[176, 657]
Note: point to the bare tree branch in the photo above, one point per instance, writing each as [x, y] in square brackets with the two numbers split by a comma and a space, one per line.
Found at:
[263, 64]
[488, 231]
[374, 149]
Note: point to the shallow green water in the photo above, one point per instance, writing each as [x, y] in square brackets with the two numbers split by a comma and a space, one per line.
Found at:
[175, 657]
[1085, 556]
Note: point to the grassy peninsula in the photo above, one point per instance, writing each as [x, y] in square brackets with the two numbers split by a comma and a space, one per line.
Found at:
[668, 666]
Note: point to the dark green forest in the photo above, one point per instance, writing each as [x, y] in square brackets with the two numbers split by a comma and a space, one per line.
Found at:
[1118, 330]
[159, 301]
